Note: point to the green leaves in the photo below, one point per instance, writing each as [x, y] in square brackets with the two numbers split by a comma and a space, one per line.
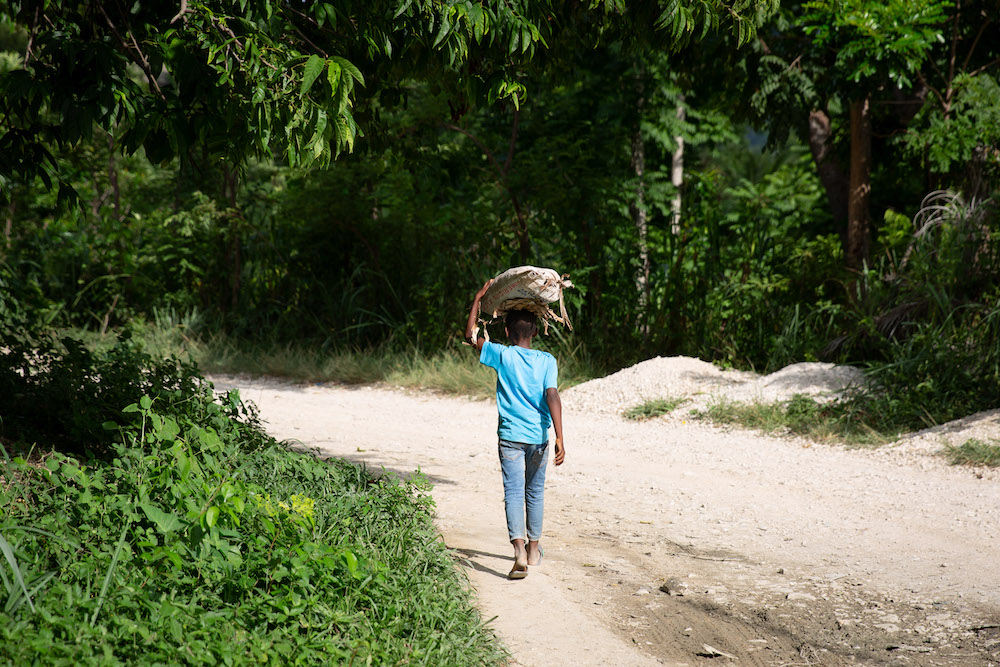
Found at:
[165, 522]
[870, 37]
[240, 81]
[311, 70]
[158, 545]
[18, 576]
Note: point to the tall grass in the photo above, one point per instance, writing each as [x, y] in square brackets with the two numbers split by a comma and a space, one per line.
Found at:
[453, 369]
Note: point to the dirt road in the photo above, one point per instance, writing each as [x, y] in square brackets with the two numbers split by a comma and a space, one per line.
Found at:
[676, 542]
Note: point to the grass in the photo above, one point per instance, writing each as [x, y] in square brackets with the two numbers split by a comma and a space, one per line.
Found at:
[656, 407]
[192, 536]
[974, 452]
[801, 415]
[452, 370]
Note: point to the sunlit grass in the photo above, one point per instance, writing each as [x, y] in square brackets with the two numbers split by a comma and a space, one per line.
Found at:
[974, 452]
[656, 407]
[452, 370]
[800, 415]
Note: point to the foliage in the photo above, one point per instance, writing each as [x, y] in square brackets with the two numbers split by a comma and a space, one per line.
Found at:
[653, 408]
[284, 76]
[801, 415]
[58, 391]
[869, 39]
[974, 452]
[199, 536]
[967, 134]
[927, 317]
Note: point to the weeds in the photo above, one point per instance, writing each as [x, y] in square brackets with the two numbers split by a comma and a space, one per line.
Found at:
[195, 537]
[452, 370]
[974, 452]
[656, 407]
[800, 415]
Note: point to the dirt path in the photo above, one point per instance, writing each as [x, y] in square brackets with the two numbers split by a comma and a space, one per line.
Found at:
[769, 551]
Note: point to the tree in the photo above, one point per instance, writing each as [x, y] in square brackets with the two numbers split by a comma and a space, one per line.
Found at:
[840, 73]
[241, 78]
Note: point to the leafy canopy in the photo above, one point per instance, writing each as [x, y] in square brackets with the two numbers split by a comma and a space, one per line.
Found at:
[238, 79]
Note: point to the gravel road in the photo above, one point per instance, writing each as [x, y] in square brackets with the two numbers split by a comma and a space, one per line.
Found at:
[677, 542]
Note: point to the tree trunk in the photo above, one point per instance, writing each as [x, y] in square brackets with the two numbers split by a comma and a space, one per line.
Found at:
[831, 172]
[116, 192]
[677, 173]
[640, 216]
[229, 182]
[858, 210]
[8, 227]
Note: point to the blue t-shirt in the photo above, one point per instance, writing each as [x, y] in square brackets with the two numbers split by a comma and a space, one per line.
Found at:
[523, 375]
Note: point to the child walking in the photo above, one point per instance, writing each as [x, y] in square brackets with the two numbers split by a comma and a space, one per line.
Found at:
[528, 403]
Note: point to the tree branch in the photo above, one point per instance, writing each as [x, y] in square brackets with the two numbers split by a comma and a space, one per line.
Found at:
[985, 67]
[923, 80]
[31, 38]
[513, 141]
[975, 43]
[138, 57]
[302, 34]
[184, 10]
[954, 47]
[501, 176]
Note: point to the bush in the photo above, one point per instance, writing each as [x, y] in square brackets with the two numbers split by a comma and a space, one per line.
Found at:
[196, 538]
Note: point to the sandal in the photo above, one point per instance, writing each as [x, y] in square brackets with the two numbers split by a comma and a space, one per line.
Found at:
[515, 573]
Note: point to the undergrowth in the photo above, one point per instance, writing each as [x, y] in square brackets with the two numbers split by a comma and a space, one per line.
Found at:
[974, 452]
[188, 535]
[801, 415]
[453, 369]
[653, 408]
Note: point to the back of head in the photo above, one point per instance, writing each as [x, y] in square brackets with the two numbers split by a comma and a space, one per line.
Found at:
[521, 324]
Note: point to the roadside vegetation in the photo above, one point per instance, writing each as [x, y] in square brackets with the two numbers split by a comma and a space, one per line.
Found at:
[801, 415]
[653, 408]
[974, 452]
[451, 368]
[315, 193]
[154, 523]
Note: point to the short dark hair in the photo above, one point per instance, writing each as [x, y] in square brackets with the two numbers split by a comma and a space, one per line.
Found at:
[521, 324]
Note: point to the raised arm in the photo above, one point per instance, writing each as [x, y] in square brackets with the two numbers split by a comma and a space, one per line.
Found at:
[470, 326]
[555, 409]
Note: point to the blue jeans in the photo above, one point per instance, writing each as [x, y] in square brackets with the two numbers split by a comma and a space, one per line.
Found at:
[523, 468]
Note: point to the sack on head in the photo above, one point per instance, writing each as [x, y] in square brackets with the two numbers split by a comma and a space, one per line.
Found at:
[527, 288]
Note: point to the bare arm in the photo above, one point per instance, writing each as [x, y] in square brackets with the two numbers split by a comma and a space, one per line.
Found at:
[470, 326]
[555, 409]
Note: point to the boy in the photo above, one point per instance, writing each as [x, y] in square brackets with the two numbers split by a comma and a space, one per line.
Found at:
[527, 402]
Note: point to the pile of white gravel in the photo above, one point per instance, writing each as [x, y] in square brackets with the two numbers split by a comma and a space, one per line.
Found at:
[700, 382]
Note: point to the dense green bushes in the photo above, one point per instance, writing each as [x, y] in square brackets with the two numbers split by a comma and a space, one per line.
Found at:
[194, 537]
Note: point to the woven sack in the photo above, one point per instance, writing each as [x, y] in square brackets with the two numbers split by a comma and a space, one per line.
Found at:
[527, 288]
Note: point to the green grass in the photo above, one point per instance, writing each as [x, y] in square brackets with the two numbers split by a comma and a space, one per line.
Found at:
[452, 370]
[974, 452]
[656, 407]
[183, 533]
[801, 415]
[177, 527]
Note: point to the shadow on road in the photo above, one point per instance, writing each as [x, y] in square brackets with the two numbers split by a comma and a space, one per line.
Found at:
[471, 558]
